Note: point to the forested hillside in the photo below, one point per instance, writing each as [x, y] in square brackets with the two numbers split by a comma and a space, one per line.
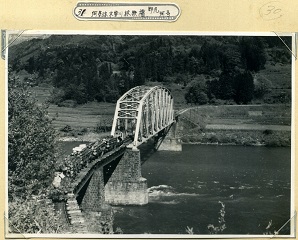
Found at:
[207, 69]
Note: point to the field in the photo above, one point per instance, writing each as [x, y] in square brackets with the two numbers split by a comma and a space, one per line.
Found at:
[92, 119]
[268, 125]
[95, 117]
[280, 77]
[89, 115]
[265, 114]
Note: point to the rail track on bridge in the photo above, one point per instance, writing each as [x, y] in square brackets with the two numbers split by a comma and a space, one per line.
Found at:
[86, 173]
[141, 113]
[106, 151]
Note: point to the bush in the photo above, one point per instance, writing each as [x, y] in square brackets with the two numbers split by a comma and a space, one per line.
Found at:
[36, 215]
[57, 96]
[213, 139]
[67, 103]
[31, 142]
[221, 221]
[66, 129]
[196, 92]
[267, 132]
[262, 86]
[278, 139]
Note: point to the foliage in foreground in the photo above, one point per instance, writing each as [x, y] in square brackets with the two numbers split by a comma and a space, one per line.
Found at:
[214, 229]
[221, 226]
[34, 216]
[31, 163]
[31, 142]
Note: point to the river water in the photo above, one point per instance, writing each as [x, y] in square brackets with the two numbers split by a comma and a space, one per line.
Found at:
[185, 189]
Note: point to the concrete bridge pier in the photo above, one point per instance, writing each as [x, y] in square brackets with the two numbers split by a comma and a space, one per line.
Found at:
[126, 186]
[170, 141]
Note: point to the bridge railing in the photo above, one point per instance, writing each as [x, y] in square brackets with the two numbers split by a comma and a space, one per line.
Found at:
[73, 164]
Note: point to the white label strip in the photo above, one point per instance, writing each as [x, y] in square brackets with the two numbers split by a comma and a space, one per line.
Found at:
[94, 11]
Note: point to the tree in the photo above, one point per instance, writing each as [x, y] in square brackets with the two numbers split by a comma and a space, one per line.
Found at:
[196, 93]
[253, 53]
[211, 56]
[77, 93]
[225, 86]
[244, 88]
[262, 86]
[31, 142]
[31, 164]
[138, 78]
[30, 66]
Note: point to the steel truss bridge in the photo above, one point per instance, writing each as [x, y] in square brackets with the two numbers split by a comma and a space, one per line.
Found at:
[143, 112]
[109, 170]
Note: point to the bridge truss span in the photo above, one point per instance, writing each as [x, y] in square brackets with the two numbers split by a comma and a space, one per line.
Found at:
[143, 112]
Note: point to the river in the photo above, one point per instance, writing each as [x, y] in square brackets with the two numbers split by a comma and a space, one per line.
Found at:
[185, 189]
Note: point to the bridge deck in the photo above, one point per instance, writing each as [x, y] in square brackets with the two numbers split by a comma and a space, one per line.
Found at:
[84, 175]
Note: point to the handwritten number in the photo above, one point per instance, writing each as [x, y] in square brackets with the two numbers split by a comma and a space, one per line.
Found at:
[270, 11]
[277, 11]
[81, 12]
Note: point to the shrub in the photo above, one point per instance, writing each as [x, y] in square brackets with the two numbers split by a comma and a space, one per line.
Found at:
[189, 230]
[84, 130]
[36, 215]
[213, 139]
[67, 103]
[31, 142]
[67, 128]
[267, 132]
[57, 96]
[196, 92]
[262, 86]
[221, 221]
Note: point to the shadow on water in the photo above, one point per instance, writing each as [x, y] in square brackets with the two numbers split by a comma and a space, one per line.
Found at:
[147, 150]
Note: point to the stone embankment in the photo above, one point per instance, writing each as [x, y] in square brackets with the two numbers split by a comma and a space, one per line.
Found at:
[75, 215]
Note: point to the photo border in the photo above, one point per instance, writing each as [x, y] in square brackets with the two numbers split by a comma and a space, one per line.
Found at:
[293, 221]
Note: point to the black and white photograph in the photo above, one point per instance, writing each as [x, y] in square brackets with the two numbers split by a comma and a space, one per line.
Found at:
[146, 135]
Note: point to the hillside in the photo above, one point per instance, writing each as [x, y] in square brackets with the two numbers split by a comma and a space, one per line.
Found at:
[198, 69]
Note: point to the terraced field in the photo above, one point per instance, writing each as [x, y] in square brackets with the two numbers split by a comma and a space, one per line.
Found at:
[273, 114]
[85, 116]
[88, 115]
